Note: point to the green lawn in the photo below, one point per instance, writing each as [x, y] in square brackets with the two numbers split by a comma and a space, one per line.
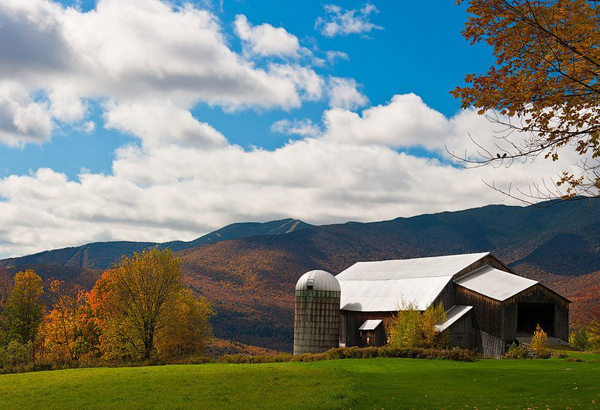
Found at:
[366, 383]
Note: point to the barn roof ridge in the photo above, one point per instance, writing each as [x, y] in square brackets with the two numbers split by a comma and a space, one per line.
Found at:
[387, 285]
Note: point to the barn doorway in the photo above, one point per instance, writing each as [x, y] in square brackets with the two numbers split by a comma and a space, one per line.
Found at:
[531, 314]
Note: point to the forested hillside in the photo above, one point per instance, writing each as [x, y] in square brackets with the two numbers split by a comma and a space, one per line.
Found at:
[250, 280]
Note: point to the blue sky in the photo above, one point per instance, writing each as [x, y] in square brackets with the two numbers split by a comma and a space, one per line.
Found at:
[419, 50]
[151, 120]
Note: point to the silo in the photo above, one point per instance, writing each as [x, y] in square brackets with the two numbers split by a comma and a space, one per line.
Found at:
[317, 313]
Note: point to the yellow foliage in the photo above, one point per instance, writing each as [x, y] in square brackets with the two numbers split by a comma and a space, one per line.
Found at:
[186, 328]
[539, 340]
[411, 328]
[142, 306]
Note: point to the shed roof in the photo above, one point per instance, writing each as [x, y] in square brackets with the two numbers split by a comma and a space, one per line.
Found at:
[370, 324]
[386, 286]
[452, 316]
[495, 283]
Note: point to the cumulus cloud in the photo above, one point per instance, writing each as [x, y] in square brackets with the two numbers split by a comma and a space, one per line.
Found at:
[134, 52]
[266, 40]
[404, 122]
[160, 123]
[22, 120]
[149, 62]
[343, 93]
[304, 128]
[342, 22]
[351, 170]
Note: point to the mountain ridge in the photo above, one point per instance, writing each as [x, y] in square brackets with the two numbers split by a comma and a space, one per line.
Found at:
[250, 280]
[103, 255]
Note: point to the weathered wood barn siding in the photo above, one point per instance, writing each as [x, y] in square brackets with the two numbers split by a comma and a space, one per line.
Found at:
[488, 313]
[351, 321]
[537, 294]
[375, 337]
[488, 345]
[499, 319]
[461, 332]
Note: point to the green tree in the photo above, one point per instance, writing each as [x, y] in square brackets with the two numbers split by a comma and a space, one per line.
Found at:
[5, 288]
[24, 308]
[543, 88]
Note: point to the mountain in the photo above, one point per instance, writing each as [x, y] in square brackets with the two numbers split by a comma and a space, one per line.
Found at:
[241, 230]
[251, 280]
[103, 255]
[248, 271]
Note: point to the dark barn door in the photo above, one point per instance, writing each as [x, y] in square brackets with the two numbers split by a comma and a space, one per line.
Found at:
[531, 314]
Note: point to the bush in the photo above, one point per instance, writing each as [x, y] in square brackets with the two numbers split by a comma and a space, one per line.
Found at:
[194, 360]
[456, 354]
[15, 354]
[246, 358]
[560, 355]
[543, 353]
[539, 341]
[518, 352]
[410, 328]
[579, 339]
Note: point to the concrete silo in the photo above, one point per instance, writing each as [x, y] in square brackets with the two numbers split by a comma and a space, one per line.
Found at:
[317, 313]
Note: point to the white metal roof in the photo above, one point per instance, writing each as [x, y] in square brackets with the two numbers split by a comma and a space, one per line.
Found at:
[386, 286]
[319, 280]
[452, 316]
[370, 324]
[495, 283]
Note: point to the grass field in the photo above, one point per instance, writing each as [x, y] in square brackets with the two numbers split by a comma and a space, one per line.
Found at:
[366, 383]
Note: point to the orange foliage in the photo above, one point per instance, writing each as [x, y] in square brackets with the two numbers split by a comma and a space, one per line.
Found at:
[69, 330]
[546, 74]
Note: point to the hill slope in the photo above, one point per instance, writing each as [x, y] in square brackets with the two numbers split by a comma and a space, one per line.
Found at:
[250, 280]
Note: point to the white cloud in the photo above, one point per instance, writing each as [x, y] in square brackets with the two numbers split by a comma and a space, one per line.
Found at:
[266, 40]
[406, 121]
[338, 21]
[334, 55]
[136, 52]
[22, 120]
[162, 191]
[89, 127]
[308, 83]
[343, 93]
[161, 123]
[304, 128]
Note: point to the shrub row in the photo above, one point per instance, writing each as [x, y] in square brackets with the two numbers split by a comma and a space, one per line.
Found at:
[521, 352]
[456, 354]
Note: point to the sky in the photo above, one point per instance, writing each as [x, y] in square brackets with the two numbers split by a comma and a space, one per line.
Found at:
[150, 120]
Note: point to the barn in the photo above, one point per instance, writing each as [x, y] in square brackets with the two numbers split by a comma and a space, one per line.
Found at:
[487, 305]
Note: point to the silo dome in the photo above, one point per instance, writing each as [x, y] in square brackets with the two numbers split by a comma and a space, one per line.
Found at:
[317, 312]
[318, 280]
